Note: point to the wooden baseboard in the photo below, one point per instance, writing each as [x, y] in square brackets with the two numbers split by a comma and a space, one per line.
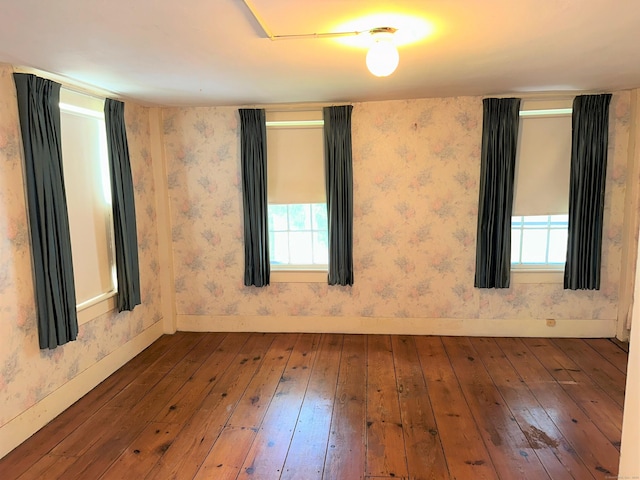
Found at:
[17, 430]
[473, 327]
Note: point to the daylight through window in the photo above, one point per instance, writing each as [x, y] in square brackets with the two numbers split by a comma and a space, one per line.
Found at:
[539, 241]
[298, 235]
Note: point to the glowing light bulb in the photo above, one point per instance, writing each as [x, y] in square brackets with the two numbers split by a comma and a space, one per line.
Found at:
[383, 57]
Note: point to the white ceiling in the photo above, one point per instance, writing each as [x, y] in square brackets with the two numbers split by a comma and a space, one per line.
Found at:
[213, 52]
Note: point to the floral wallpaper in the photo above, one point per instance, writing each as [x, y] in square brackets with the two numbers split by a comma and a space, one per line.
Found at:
[416, 167]
[28, 374]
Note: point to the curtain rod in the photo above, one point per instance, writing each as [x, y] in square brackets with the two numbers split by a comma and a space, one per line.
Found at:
[556, 95]
[295, 107]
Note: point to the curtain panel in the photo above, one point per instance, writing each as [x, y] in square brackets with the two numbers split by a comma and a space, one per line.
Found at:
[339, 185]
[253, 145]
[123, 205]
[497, 168]
[55, 298]
[590, 138]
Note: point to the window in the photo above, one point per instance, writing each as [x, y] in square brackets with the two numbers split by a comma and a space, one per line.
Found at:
[298, 237]
[541, 188]
[539, 240]
[88, 192]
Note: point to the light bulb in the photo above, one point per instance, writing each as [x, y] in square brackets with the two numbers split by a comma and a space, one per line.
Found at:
[382, 58]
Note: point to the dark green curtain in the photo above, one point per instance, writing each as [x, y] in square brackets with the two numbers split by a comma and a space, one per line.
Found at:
[590, 138]
[123, 205]
[38, 106]
[253, 144]
[339, 184]
[497, 168]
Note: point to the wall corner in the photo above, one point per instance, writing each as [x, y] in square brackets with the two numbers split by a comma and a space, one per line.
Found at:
[163, 220]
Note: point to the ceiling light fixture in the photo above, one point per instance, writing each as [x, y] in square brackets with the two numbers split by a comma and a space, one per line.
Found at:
[382, 57]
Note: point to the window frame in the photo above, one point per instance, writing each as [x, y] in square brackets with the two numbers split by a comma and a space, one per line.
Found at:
[550, 226]
[105, 301]
[309, 267]
[539, 272]
[297, 273]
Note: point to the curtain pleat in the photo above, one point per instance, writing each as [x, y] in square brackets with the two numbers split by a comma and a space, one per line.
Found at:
[497, 168]
[38, 106]
[253, 144]
[123, 205]
[590, 140]
[339, 184]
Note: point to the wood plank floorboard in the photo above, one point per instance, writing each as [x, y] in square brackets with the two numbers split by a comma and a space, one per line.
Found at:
[506, 443]
[385, 453]
[271, 443]
[587, 394]
[464, 449]
[307, 451]
[615, 352]
[603, 373]
[553, 450]
[425, 457]
[346, 449]
[342, 407]
[595, 450]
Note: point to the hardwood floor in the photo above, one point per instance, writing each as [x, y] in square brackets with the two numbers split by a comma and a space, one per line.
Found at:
[334, 407]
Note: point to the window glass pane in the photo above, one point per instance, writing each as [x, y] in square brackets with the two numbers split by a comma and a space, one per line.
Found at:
[319, 216]
[303, 239]
[534, 246]
[278, 217]
[280, 252]
[557, 246]
[300, 248]
[515, 246]
[529, 237]
[299, 217]
[321, 248]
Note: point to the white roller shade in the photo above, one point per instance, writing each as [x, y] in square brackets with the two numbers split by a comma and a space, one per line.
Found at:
[295, 157]
[543, 159]
[88, 193]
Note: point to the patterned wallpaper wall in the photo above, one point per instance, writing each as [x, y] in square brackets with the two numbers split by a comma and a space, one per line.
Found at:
[28, 374]
[416, 168]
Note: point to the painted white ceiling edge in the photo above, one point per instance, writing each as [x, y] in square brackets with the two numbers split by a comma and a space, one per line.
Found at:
[214, 52]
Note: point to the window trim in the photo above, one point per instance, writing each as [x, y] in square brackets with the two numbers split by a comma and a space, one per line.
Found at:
[548, 273]
[297, 273]
[299, 276]
[106, 301]
[537, 276]
[96, 306]
[539, 267]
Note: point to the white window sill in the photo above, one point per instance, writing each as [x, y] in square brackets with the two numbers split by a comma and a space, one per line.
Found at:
[298, 276]
[537, 276]
[96, 306]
